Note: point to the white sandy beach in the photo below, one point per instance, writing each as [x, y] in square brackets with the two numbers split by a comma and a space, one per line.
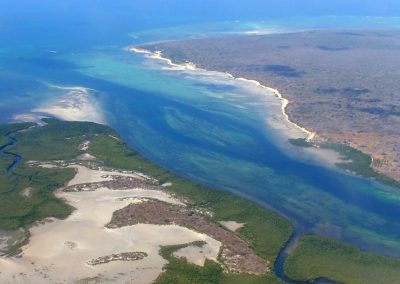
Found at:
[223, 78]
[275, 104]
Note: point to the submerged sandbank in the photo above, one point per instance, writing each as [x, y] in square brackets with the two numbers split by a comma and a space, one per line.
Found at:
[75, 104]
[275, 104]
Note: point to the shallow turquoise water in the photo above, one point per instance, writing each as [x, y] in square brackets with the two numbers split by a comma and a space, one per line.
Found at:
[210, 132]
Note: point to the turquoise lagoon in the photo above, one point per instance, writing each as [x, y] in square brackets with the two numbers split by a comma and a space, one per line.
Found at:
[217, 131]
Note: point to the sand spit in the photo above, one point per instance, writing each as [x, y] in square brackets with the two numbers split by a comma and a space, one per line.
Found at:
[65, 251]
[157, 55]
[29, 117]
[77, 104]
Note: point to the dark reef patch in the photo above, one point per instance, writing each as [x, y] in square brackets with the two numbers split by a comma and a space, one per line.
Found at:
[276, 69]
[331, 48]
[343, 91]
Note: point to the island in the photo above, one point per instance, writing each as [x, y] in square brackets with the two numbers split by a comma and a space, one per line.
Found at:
[78, 205]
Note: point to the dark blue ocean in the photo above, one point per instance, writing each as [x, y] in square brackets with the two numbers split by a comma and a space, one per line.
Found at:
[55, 54]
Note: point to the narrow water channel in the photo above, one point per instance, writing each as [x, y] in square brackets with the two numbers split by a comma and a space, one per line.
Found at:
[3, 151]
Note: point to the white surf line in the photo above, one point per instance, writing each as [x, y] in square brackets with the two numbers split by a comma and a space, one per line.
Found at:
[77, 88]
[157, 55]
[285, 102]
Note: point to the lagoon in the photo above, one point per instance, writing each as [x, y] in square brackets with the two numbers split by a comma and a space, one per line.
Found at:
[209, 128]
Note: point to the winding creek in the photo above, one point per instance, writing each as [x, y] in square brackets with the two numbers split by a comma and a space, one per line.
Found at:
[279, 266]
[17, 158]
[211, 132]
[281, 259]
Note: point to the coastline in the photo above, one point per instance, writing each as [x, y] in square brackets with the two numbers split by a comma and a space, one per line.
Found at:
[87, 187]
[157, 55]
[328, 157]
[269, 236]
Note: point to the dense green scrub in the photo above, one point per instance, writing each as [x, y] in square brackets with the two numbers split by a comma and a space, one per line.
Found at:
[55, 141]
[18, 211]
[317, 257]
[179, 271]
[354, 160]
[265, 230]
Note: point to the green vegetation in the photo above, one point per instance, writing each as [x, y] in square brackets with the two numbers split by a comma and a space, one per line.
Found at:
[8, 128]
[265, 230]
[18, 211]
[300, 142]
[354, 160]
[317, 257]
[179, 271]
[359, 163]
[56, 141]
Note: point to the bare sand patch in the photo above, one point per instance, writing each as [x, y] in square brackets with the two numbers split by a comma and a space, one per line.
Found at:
[26, 192]
[232, 225]
[87, 175]
[9, 239]
[86, 157]
[236, 255]
[62, 250]
[197, 254]
[84, 146]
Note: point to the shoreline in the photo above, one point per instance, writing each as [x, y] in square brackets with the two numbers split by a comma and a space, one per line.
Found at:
[277, 223]
[76, 104]
[112, 188]
[327, 157]
[157, 55]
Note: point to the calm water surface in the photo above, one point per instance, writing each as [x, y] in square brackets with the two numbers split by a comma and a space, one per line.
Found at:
[211, 132]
